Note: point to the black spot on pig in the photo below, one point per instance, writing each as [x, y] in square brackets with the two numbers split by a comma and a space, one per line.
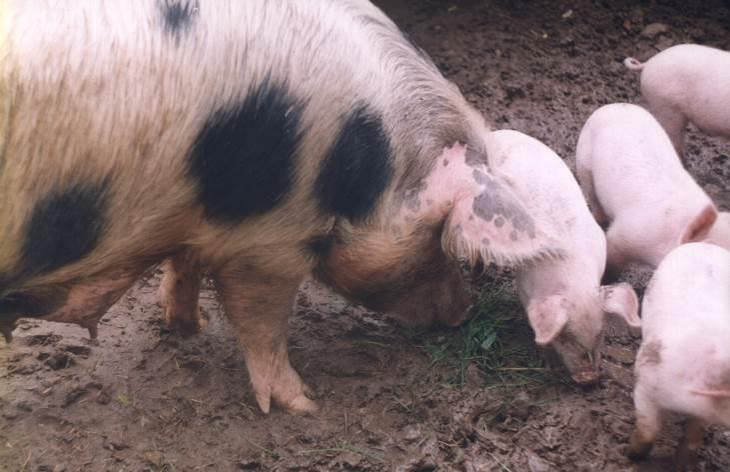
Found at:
[474, 158]
[63, 227]
[243, 158]
[357, 169]
[177, 15]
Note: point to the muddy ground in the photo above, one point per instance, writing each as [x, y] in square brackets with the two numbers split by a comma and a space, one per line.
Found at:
[471, 398]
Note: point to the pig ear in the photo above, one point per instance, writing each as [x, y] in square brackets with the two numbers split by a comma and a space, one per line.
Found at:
[621, 300]
[700, 226]
[547, 318]
[489, 224]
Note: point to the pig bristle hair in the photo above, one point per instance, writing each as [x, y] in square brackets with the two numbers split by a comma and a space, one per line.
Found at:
[464, 250]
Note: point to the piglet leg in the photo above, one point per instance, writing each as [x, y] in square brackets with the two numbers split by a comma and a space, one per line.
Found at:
[687, 450]
[258, 305]
[648, 424]
[179, 292]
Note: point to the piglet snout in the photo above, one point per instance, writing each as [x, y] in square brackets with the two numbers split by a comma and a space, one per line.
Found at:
[586, 377]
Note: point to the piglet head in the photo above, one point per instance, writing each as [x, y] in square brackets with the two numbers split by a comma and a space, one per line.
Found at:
[574, 330]
[411, 264]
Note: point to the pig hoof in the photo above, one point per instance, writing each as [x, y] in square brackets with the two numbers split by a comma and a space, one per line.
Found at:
[186, 326]
[289, 401]
[638, 452]
[301, 404]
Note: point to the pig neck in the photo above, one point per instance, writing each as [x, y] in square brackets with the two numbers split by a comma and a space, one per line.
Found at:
[574, 278]
[405, 238]
[428, 202]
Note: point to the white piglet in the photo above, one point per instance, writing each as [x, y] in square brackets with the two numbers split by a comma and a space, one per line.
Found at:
[687, 83]
[565, 302]
[636, 185]
[683, 365]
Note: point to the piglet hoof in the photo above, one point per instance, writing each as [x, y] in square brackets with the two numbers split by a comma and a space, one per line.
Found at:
[638, 448]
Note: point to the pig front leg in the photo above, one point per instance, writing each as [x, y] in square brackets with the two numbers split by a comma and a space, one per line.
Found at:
[258, 305]
[687, 451]
[648, 424]
[179, 292]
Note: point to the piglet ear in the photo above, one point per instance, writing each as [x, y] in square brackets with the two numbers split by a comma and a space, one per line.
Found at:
[547, 317]
[621, 300]
[700, 226]
[489, 223]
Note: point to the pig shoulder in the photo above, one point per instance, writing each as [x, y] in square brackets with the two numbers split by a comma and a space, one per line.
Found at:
[543, 180]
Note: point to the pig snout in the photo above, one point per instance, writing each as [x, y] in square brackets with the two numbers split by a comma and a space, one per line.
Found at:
[581, 365]
[586, 377]
[585, 370]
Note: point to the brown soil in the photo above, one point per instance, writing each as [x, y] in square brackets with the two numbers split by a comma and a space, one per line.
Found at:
[142, 398]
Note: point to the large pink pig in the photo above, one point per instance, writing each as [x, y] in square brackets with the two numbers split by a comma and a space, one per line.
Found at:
[253, 140]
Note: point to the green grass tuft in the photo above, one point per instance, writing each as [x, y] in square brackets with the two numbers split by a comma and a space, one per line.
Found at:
[498, 340]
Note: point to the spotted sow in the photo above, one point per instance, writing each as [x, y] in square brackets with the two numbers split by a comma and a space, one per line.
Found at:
[255, 141]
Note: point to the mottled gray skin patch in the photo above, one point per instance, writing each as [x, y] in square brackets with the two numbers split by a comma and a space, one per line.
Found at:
[513, 235]
[494, 202]
[446, 162]
[412, 197]
[474, 158]
[486, 242]
[482, 178]
[499, 222]
[651, 352]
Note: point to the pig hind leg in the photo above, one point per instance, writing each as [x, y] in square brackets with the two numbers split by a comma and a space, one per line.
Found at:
[617, 249]
[179, 291]
[687, 450]
[648, 424]
[585, 177]
[674, 123]
[258, 305]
